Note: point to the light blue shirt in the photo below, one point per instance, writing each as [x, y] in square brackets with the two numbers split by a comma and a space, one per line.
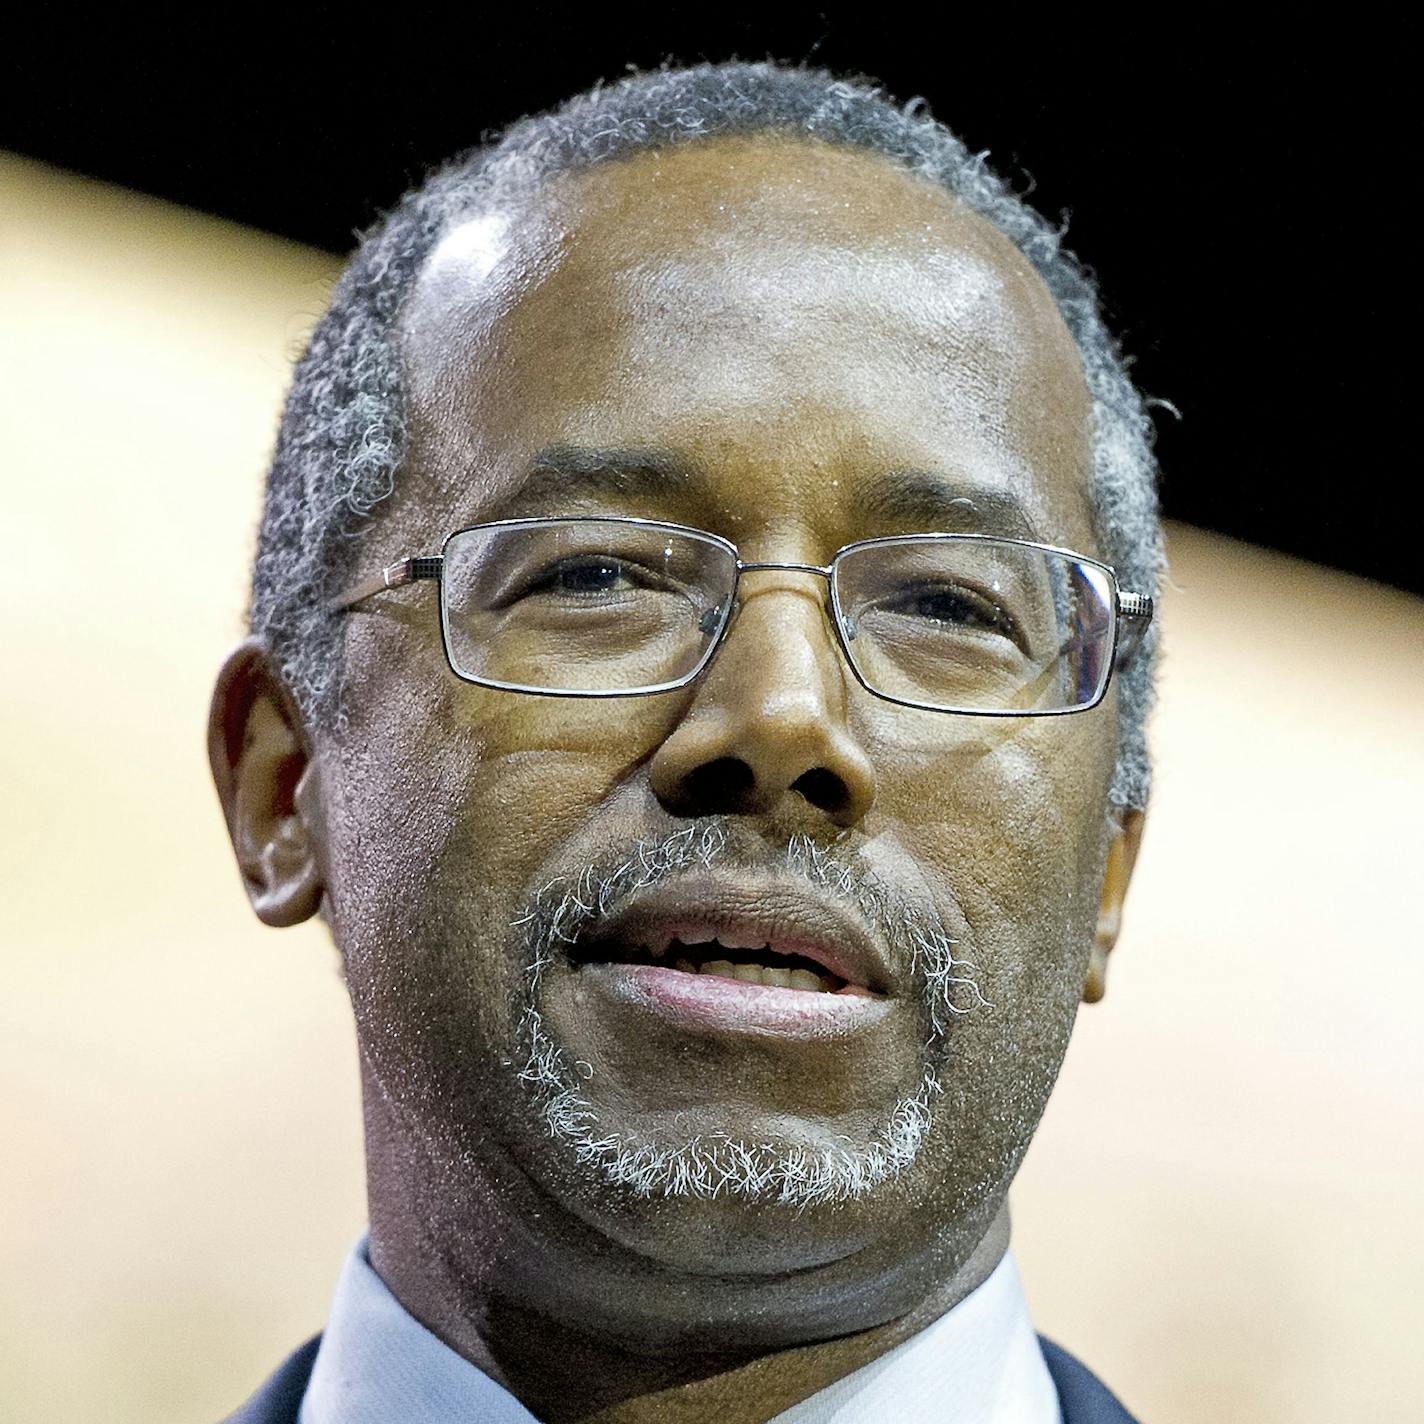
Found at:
[979, 1363]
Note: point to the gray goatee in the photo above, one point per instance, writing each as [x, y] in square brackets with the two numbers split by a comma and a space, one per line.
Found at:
[710, 1165]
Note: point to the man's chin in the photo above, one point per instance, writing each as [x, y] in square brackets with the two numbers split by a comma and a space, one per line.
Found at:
[711, 1158]
[764, 1225]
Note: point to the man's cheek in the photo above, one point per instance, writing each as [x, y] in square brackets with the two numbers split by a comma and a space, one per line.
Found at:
[1014, 836]
[615, 730]
[521, 806]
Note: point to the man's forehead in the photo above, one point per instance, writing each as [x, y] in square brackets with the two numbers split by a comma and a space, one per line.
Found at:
[730, 199]
[739, 249]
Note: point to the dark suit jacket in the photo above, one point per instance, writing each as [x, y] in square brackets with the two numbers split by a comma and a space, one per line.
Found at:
[1082, 1396]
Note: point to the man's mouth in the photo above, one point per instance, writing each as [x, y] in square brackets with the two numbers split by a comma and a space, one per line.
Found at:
[765, 934]
[726, 956]
[736, 954]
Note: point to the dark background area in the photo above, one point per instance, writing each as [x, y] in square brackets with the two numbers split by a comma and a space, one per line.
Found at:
[1242, 202]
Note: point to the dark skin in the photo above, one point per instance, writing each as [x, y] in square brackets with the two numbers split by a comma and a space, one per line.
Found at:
[799, 327]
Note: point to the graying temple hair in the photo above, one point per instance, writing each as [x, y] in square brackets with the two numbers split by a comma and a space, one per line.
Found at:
[342, 434]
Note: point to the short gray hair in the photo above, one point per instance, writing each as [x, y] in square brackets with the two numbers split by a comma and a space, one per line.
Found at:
[342, 434]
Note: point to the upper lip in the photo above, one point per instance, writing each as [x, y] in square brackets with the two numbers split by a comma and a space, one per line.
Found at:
[789, 915]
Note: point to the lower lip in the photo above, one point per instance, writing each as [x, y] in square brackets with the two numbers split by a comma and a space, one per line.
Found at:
[708, 1001]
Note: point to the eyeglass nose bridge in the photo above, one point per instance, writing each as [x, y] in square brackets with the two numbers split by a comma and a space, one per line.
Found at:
[712, 619]
[745, 567]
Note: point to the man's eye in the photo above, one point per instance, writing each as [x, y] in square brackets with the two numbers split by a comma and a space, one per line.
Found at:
[583, 577]
[956, 608]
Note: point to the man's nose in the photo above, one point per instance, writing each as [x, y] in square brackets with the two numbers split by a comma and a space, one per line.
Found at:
[768, 718]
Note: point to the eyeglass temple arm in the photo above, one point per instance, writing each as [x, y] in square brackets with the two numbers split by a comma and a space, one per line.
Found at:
[403, 571]
[1134, 612]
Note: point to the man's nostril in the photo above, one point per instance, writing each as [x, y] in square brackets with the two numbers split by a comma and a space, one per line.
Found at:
[728, 784]
[823, 789]
[719, 785]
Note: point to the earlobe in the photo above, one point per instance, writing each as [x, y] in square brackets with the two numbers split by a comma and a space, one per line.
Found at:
[267, 781]
[1122, 858]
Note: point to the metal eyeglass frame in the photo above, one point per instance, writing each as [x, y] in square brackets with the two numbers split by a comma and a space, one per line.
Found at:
[1132, 612]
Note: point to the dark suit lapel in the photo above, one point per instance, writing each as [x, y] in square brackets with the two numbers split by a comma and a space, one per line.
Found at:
[278, 1401]
[1082, 1396]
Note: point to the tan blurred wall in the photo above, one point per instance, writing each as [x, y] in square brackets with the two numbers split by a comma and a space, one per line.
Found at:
[1220, 1212]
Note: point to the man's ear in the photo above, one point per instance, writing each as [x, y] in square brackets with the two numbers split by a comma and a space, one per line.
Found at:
[267, 780]
[1122, 857]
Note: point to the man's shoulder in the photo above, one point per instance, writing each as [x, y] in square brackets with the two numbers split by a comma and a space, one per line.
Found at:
[1084, 1398]
[280, 1399]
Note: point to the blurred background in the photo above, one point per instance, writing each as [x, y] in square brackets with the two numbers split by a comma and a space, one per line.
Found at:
[1219, 1214]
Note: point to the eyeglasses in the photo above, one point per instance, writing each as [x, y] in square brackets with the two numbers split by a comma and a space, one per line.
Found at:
[618, 607]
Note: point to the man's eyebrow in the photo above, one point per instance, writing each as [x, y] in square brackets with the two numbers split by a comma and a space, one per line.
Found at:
[559, 474]
[921, 501]
[911, 501]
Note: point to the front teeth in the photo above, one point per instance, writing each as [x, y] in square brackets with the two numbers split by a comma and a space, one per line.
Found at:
[760, 974]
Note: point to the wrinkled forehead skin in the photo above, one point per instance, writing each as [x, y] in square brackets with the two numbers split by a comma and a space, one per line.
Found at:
[681, 293]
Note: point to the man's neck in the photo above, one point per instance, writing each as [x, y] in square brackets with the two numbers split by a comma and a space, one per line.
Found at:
[759, 1389]
[570, 1374]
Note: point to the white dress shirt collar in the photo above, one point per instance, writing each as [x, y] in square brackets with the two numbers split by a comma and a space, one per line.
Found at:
[979, 1363]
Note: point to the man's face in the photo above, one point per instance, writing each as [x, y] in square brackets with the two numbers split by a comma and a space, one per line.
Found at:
[793, 347]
